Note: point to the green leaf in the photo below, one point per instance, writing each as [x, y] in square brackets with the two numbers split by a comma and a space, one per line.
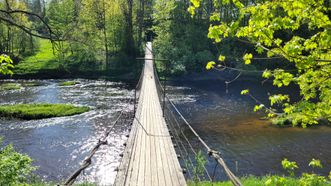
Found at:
[238, 4]
[315, 163]
[244, 92]
[267, 74]
[196, 3]
[278, 98]
[210, 65]
[221, 58]
[191, 10]
[215, 16]
[258, 107]
[247, 58]
[259, 50]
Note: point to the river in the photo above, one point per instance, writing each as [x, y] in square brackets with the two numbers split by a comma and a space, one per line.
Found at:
[249, 145]
[59, 145]
[226, 121]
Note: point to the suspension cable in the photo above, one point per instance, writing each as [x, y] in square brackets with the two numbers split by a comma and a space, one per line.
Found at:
[188, 142]
[88, 160]
[211, 152]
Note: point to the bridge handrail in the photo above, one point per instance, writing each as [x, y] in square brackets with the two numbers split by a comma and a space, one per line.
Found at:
[213, 153]
[137, 88]
[88, 160]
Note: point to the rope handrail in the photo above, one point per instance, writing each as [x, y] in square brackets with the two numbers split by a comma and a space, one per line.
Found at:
[140, 77]
[189, 143]
[88, 160]
[213, 153]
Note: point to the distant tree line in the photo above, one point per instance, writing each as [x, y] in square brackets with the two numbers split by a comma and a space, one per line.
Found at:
[80, 30]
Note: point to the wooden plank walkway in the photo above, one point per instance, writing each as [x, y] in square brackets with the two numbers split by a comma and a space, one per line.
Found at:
[150, 158]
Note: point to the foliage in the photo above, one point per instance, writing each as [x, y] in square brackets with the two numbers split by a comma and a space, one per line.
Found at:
[179, 38]
[246, 181]
[84, 33]
[290, 166]
[41, 183]
[198, 170]
[312, 179]
[15, 168]
[40, 110]
[315, 163]
[6, 64]
[94, 30]
[297, 31]
[14, 40]
[210, 65]
[307, 179]
[244, 92]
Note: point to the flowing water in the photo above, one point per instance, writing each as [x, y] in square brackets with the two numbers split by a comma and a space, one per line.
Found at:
[249, 145]
[59, 145]
[225, 120]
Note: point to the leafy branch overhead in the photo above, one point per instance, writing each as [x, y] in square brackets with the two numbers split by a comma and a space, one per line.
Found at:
[13, 15]
[298, 31]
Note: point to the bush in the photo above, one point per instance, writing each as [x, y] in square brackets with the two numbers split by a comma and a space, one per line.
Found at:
[15, 168]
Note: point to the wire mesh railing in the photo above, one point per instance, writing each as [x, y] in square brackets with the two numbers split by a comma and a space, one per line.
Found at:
[198, 161]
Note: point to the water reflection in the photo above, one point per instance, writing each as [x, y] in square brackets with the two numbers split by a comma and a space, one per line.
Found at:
[227, 122]
[58, 145]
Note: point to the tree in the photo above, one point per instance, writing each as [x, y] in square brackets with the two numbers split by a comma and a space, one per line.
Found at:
[180, 38]
[298, 31]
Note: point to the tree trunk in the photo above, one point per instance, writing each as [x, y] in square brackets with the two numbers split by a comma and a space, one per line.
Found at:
[141, 15]
[105, 33]
[129, 41]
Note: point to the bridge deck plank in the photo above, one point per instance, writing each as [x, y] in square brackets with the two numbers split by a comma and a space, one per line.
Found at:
[150, 158]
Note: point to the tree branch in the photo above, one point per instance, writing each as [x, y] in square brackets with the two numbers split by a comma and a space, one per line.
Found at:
[9, 12]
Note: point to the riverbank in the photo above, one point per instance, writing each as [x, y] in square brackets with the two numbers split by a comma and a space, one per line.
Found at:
[45, 64]
[270, 181]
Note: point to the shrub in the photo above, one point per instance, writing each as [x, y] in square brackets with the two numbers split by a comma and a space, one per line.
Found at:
[15, 168]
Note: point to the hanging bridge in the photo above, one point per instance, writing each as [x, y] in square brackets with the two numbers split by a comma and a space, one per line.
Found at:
[150, 158]
[158, 151]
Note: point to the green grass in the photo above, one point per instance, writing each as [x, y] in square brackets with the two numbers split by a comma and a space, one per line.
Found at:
[10, 86]
[253, 181]
[40, 110]
[54, 184]
[68, 83]
[43, 59]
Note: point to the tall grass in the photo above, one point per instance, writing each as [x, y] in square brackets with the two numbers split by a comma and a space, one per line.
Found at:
[40, 110]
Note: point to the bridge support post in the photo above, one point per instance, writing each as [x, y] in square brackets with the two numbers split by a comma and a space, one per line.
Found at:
[164, 86]
[164, 95]
[135, 101]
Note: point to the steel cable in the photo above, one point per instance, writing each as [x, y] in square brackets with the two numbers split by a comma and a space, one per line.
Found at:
[189, 143]
[211, 152]
[88, 161]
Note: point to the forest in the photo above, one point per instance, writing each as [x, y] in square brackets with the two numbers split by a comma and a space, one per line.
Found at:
[70, 37]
